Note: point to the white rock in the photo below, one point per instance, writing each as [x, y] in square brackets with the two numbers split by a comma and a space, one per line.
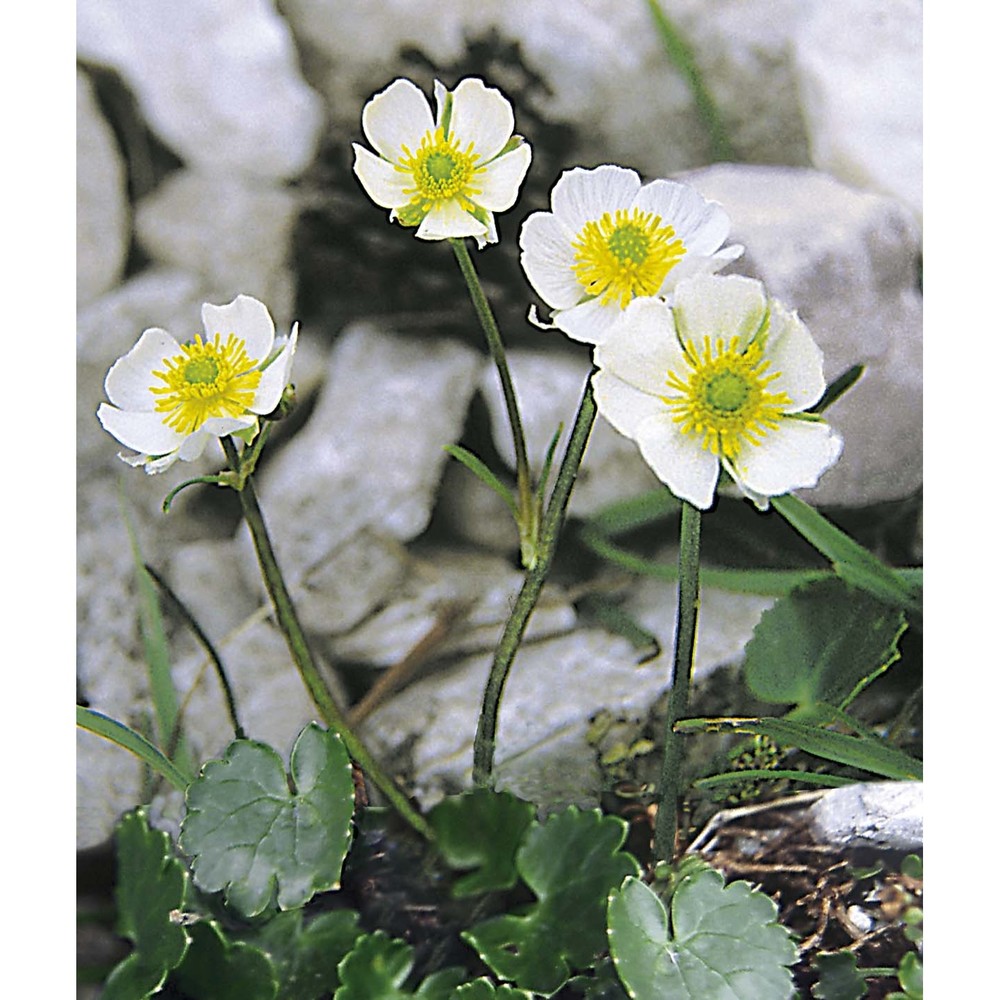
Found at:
[847, 262]
[218, 82]
[881, 814]
[361, 476]
[438, 580]
[109, 782]
[549, 385]
[233, 231]
[102, 215]
[862, 94]
[472, 512]
[591, 54]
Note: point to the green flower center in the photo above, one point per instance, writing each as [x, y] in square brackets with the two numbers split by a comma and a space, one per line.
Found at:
[206, 380]
[441, 171]
[626, 255]
[724, 400]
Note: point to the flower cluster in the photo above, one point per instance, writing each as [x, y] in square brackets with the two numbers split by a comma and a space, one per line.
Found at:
[168, 399]
[445, 174]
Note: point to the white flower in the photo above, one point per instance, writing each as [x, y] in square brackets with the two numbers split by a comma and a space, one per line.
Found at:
[721, 377]
[446, 174]
[609, 239]
[169, 399]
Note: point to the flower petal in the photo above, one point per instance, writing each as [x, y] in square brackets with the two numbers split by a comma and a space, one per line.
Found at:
[482, 116]
[702, 225]
[590, 322]
[621, 404]
[398, 116]
[692, 264]
[678, 460]
[383, 183]
[547, 260]
[644, 348]
[500, 182]
[448, 220]
[247, 318]
[144, 432]
[792, 351]
[130, 379]
[711, 306]
[581, 195]
[793, 456]
[275, 377]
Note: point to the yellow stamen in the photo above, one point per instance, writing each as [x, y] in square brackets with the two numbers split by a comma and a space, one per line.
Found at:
[628, 255]
[441, 171]
[206, 380]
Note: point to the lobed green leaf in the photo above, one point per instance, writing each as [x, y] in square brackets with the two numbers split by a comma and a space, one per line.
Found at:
[223, 970]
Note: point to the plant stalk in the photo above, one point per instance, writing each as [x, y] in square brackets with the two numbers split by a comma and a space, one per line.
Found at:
[534, 578]
[302, 656]
[688, 602]
[526, 502]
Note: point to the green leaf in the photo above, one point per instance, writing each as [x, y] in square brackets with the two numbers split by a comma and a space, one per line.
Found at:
[911, 975]
[853, 751]
[821, 643]
[214, 967]
[636, 512]
[250, 833]
[128, 739]
[483, 989]
[839, 978]
[851, 561]
[844, 381]
[722, 942]
[150, 887]
[482, 471]
[481, 829]
[571, 863]
[377, 966]
[306, 955]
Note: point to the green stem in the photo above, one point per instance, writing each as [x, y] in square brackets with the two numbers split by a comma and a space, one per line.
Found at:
[495, 343]
[688, 601]
[302, 656]
[485, 742]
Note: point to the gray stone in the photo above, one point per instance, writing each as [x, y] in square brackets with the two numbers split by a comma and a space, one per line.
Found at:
[361, 476]
[471, 512]
[880, 814]
[219, 82]
[847, 261]
[102, 214]
[234, 232]
[862, 95]
[109, 782]
[549, 385]
[479, 587]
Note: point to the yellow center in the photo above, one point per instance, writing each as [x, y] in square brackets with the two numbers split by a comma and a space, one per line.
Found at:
[206, 380]
[620, 257]
[441, 171]
[725, 400]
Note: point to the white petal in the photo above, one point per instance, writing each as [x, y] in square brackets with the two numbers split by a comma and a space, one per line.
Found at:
[448, 220]
[712, 306]
[491, 235]
[500, 182]
[383, 183]
[793, 456]
[678, 459]
[482, 116]
[582, 195]
[643, 348]
[275, 377]
[692, 264]
[247, 318]
[547, 260]
[621, 404]
[130, 379]
[702, 225]
[194, 445]
[793, 352]
[143, 432]
[398, 116]
[590, 322]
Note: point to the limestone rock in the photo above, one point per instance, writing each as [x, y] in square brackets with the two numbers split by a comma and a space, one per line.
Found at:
[847, 261]
[219, 82]
[862, 95]
[102, 214]
[361, 476]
